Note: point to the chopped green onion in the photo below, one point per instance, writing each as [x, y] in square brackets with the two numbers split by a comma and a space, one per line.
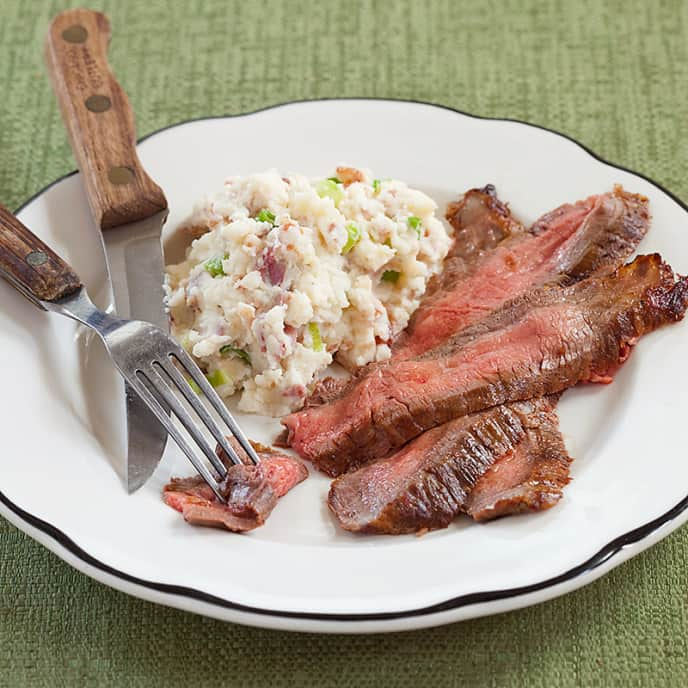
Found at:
[376, 186]
[214, 266]
[316, 339]
[229, 349]
[194, 386]
[218, 378]
[336, 180]
[266, 216]
[414, 223]
[329, 189]
[354, 237]
[391, 276]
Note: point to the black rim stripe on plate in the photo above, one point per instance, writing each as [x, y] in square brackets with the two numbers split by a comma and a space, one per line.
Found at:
[603, 555]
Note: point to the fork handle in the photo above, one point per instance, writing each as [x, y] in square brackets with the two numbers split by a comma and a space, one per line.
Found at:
[30, 265]
[99, 120]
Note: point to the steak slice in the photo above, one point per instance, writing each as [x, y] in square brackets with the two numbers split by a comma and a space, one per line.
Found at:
[251, 491]
[539, 344]
[437, 476]
[493, 260]
[532, 477]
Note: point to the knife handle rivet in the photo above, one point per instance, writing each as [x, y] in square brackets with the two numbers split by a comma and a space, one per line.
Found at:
[98, 103]
[121, 175]
[36, 258]
[75, 34]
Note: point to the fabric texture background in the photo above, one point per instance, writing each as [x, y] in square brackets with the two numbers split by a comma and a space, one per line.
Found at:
[613, 75]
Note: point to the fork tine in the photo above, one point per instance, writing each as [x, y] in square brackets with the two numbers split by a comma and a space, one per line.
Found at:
[161, 387]
[180, 383]
[183, 386]
[160, 414]
[212, 396]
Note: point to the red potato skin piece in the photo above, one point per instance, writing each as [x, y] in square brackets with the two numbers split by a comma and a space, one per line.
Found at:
[349, 175]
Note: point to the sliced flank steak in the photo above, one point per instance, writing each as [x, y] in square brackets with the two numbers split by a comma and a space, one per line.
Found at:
[507, 458]
[539, 344]
[510, 458]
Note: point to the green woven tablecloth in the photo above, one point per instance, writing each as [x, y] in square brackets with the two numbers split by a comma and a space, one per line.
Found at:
[613, 75]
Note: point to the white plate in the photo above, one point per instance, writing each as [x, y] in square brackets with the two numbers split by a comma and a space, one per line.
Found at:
[63, 411]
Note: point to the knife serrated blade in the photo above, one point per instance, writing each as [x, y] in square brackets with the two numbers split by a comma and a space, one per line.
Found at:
[127, 205]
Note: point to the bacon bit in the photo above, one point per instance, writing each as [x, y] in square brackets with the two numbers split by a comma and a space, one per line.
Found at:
[349, 175]
[251, 242]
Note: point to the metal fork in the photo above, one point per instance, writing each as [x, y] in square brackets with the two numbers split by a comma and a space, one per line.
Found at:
[155, 366]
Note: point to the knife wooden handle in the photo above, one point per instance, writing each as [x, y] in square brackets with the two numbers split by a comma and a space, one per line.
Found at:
[99, 120]
[31, 266]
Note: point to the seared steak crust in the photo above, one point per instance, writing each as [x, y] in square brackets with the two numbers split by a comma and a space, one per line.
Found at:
[532, 477]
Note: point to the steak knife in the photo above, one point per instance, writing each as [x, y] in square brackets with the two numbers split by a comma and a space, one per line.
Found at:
[127, 205]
